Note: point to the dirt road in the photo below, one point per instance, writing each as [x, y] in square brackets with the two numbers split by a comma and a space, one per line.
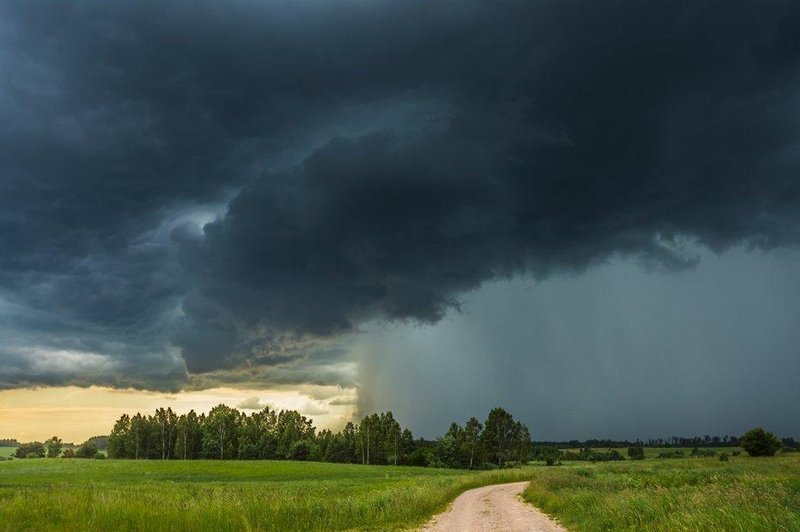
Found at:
[496, 508]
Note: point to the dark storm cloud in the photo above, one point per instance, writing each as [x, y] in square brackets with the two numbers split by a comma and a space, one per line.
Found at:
[383, 158]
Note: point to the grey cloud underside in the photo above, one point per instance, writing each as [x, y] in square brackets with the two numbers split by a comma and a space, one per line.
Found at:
[382, 158]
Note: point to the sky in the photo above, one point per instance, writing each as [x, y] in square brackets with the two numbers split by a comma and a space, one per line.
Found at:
[586, 212]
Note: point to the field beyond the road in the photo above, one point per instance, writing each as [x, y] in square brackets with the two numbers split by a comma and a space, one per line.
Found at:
[747, 494]
[38, 494]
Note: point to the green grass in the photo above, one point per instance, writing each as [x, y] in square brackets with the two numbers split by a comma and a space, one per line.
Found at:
[5, 452]
[747, 494]
[231, 495]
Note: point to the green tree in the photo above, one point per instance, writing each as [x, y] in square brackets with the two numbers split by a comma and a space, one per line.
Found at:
[521, 442]
[448, 447]
[30, 450]
[220, 432]
[292, 427]
[368, 435]
[759, 442]
[472, 435]
[498, 434]
[165, 421]
[87, 450]
[142, 436]
[392, 438]
[119, 441]
[53, 447]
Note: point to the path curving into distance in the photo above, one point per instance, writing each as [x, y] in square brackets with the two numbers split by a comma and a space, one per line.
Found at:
[495, 508]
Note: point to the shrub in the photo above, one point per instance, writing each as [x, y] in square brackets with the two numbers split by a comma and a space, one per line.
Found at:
[703, 453]
[636, 453]
[600, 456]
[419, 456]
[723, 457]
[759, 442]
[671, 454]
[550, 455]
[30, 450]
[69, 453]
[86, 450]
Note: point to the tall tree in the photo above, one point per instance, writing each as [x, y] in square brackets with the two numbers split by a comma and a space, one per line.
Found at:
[220, 432]
[498, 434]
[165, 421]
[120, 439]
[472, 434]
[391, 433]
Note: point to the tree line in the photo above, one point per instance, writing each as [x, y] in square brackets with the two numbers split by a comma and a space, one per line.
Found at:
[55, 448]
[225, 433]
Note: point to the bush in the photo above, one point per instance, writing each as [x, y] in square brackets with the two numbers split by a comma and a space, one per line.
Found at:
[723, 457]
[419, 456]
[69, 453]
[636, 453]
[300, 450]
[610, 456]
[759, 442]
[99, 456]
[671, 454]
[551, 461]
[30, 450]
[87, 450]
[549, 455]
[703, 453]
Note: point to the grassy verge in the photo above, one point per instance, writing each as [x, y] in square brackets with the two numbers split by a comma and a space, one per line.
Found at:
[210, 495]
[746, 494]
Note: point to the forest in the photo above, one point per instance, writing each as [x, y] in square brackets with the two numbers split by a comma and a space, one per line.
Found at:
[226, 433]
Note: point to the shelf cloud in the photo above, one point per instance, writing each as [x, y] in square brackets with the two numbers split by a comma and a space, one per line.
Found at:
[193, 192]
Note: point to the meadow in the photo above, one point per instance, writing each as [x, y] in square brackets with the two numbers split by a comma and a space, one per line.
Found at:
[231, 495]
[745, 493]
[653, 494]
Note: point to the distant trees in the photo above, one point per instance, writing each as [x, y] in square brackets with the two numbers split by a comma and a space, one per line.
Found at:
[500, 439]
[593, 455]
[758, 442]
[30, 450]
[505, 439]
[226, 433]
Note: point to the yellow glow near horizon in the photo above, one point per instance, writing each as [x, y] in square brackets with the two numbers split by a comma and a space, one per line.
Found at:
[75, 414]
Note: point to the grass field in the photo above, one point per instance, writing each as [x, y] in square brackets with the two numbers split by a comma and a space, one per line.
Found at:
[210, 495]
[677, 494]
[746, 494]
